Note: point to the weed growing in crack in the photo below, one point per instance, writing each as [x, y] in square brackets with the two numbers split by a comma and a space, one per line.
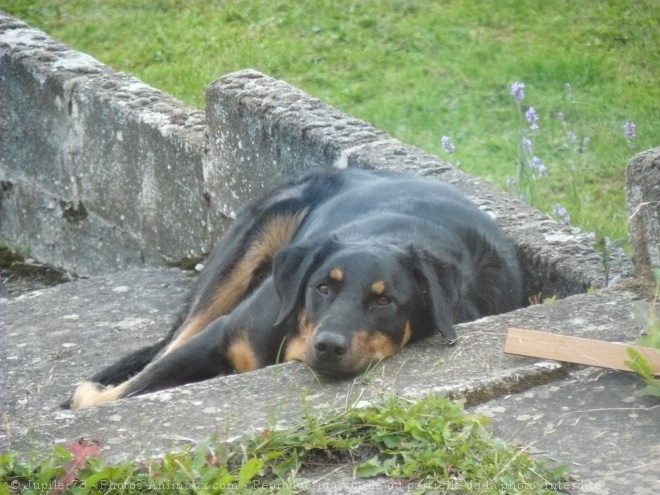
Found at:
[607, 248]
[426, 445]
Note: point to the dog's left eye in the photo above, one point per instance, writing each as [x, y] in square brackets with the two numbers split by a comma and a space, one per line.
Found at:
[383, 301]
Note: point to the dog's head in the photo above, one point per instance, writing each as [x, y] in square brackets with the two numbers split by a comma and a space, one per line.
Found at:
[356, 304]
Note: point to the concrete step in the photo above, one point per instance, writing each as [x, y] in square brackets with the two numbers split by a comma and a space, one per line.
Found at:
[56, 337]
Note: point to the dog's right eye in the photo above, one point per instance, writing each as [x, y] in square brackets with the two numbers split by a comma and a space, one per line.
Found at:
[323, 289]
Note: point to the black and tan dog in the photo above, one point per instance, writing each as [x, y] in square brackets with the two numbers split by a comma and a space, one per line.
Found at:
[338, 269]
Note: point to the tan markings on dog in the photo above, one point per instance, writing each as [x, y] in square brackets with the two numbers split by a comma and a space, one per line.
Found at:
[378, 287]
[376, 345]
[367, 347]
[296, 348]
[407, 333]
[242, 356]
[276, 234]
[337, 274]
[296, 345]
[90, 394]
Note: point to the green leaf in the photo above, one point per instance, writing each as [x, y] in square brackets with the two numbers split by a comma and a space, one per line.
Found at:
[370, 468]
[223, 477]
[62, 453]
[92, 480]
[639, 364]
[392, 441]
[249, 470]
[652, 390]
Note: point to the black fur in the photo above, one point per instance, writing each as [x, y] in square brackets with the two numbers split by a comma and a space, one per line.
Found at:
[379, 260]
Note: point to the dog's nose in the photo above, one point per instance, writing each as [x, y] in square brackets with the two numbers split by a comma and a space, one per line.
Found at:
[330, 346]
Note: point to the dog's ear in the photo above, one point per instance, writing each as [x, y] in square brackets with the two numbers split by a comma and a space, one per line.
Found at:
[292, 267]
[441, 281]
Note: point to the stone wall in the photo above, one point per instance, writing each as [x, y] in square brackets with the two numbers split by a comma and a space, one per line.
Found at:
[103, 173]
[643, 195]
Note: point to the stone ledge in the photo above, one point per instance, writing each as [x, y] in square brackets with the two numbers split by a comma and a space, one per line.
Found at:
[100, 171]
[57, 337]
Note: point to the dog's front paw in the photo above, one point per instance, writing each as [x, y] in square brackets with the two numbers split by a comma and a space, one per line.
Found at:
[88, 394]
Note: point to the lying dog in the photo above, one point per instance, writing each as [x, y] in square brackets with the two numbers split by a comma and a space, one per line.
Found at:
[339, 269]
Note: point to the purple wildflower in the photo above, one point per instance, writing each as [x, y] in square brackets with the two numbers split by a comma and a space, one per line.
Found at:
[447, 145]
[526, 145]
[518, 90]
[561, 212]
[532, 119]
[629, 131]
[585, 144]
[561, 118]
[537, 164]
[572, 138]
[569, 90]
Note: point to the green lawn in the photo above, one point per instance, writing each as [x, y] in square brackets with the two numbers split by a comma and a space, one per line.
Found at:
[417, 69]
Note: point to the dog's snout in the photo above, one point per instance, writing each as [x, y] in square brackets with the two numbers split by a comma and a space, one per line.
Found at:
[330, 346]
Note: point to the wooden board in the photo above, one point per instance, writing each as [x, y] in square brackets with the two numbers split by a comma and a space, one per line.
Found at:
[575, 349]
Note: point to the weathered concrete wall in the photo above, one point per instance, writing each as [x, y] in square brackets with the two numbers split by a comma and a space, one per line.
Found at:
[103, 172]
[643, 196]
[262, 131]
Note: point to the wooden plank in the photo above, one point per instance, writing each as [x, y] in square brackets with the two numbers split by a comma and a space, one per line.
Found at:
[575, 349]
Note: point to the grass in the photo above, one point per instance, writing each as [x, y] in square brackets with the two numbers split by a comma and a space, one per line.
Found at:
[428, 445]
[417, 69]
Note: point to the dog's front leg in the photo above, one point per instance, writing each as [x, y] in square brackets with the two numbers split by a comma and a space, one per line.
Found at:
[202, 357]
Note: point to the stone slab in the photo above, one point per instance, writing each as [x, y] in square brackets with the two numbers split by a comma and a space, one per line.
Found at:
[263, 131]
[54, 338]
[595, 422]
